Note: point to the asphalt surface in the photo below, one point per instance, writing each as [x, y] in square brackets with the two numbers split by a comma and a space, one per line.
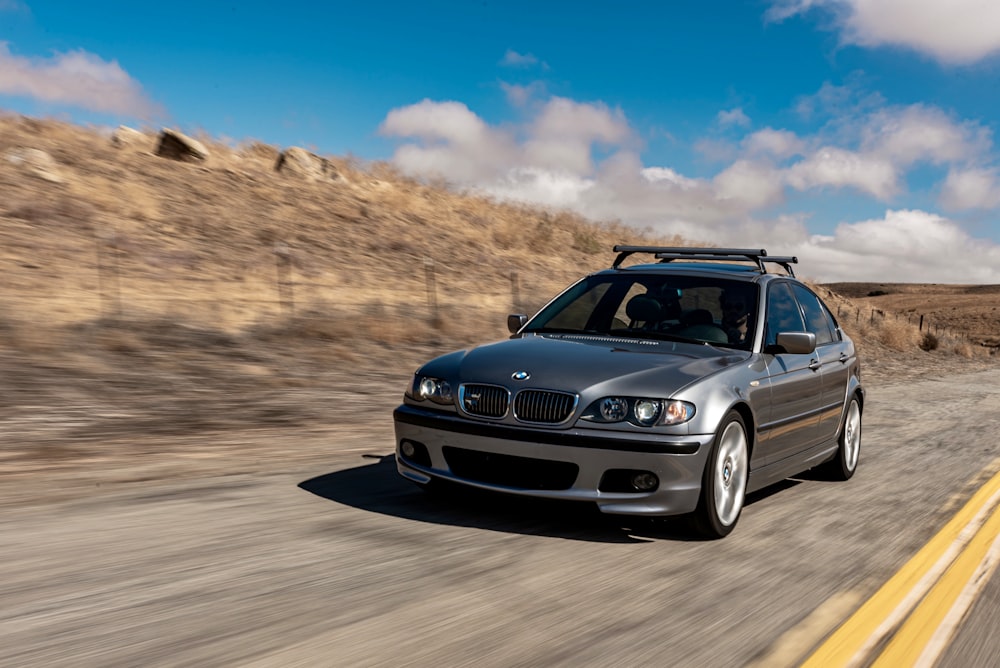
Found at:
[334, 560]
[977, 642]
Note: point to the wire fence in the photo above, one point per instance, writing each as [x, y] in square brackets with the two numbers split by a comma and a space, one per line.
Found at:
[113, 284]
[116, 284]
[924, 323]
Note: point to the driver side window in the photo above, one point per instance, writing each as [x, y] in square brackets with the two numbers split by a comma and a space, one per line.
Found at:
[817, 317]
[783, 313]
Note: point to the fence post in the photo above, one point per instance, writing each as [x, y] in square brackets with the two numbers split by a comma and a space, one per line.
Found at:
[921, 328]
[432, 302]
[283, 267]
[515, 292]
[102, 280]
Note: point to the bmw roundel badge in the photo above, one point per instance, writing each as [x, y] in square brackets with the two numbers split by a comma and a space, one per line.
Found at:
[520, 375]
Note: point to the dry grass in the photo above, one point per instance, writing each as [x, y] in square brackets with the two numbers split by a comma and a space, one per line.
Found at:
[130, 232]
[960, 311]
[356, 267]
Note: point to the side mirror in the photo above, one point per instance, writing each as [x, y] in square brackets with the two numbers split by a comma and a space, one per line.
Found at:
[515, 322]
[796, 343]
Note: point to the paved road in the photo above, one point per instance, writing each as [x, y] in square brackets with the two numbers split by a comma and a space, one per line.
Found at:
[334, 560]
[978, 642]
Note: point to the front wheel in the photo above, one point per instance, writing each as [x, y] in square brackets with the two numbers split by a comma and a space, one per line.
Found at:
[724, 482]
[845, 462]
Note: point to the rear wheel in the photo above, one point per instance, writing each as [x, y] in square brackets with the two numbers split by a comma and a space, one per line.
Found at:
[845, 462]
[724, 482]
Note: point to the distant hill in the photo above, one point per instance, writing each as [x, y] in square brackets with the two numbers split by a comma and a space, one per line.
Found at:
[971, 309]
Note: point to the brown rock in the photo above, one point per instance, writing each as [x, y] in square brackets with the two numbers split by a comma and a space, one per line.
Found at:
[301, 163]
[177, 146]
[124, 137]
[35, 162]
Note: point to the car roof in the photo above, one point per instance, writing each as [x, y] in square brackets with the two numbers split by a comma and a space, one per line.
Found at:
[730, 272]
[719, 262]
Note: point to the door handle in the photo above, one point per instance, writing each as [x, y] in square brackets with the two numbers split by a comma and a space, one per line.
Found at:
[815, 364]
[844, 358]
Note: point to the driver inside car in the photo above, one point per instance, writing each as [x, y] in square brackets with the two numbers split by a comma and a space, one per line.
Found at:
[735, 314]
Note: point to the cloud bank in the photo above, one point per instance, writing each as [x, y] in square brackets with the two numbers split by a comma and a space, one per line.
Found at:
[956, 32]
[78, 79]
[587, 157]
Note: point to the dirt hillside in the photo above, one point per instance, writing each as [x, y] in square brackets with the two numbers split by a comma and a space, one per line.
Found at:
[972, 310]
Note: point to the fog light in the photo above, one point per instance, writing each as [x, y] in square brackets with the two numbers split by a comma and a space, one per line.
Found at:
[645, 481]
[407, 448]
[614, 409]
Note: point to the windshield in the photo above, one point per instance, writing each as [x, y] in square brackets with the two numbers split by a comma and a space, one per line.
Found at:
[718, 311]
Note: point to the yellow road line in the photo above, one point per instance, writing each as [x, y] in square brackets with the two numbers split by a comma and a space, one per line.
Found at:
[850, 644]
[911, 645]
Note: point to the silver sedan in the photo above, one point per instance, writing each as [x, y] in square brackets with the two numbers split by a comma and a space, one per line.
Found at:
[675, 387]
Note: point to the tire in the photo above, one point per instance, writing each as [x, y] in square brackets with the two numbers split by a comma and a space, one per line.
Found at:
[845, 462]
[724, 481]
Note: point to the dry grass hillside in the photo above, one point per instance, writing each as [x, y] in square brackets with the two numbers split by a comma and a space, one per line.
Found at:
[231, 242]
[146, 295]
[969, 310]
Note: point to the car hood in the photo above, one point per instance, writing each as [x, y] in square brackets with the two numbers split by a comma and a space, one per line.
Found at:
[601, 364]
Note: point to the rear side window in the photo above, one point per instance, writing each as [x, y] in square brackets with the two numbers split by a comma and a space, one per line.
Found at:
[818, 319]
[783, 313]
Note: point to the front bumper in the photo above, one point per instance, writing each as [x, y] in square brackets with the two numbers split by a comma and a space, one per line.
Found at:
[451, 441]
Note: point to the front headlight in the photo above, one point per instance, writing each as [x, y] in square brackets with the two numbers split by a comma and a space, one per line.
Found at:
[640, 411]
[428, 388]
[646, 411]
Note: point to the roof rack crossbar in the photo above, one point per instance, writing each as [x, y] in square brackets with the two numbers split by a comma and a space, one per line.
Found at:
[729, 253]
[784, 262]
[668, 253]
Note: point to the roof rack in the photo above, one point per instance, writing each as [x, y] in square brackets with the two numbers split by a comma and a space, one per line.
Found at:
[667, 254]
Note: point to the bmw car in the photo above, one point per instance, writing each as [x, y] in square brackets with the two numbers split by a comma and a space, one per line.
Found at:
[671, 386]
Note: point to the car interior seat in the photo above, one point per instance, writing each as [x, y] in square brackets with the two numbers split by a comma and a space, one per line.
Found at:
[643, 309]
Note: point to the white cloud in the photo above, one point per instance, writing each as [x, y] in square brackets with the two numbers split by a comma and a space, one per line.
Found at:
[520, 96]
[452, 142]
[514, 59]
[564, 133]
[540, 186]
[972, 188]
[851, 99]
[904, 246]
[716, 150]
[752, 185]
[777, 143]
[921, 133]
[957, 32]
[733, 117]
[870, 146]
[786, 9]
[566, 118]
[665, 174]
[78, 79]
[837, 167]
[429, 120]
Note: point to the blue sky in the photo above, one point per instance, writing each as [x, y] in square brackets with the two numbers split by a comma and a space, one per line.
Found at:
[858, 134]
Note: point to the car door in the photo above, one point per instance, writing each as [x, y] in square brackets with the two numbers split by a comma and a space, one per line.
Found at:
[794, 421]
[833, 355]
